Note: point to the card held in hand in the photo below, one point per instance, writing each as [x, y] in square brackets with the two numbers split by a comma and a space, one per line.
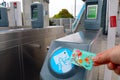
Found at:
[82, 58]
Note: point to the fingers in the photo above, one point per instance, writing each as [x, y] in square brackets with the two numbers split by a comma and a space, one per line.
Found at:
[114, 67]
[117, 70]
[110, 57]
[111, 66]
[101, 58]
[115, 55]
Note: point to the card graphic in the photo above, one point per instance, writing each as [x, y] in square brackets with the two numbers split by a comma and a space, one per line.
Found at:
[63, 61]
[60, 60]
[82, 58]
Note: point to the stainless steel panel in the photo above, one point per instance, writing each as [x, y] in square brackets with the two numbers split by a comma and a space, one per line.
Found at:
[34, 49]
[32, 60]
[22, 51]
[10, 66]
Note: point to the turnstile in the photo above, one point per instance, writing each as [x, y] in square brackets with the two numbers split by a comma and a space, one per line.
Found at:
[3, 17]
[57, 65]
[37, 15]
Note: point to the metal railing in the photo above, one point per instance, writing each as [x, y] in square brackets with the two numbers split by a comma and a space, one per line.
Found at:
[66, 22]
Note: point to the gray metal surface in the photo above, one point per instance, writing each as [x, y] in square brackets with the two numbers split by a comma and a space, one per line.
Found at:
[84, 40]
[22, 51]
[83, 37]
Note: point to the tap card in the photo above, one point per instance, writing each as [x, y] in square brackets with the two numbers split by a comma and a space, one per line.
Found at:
[82, 58]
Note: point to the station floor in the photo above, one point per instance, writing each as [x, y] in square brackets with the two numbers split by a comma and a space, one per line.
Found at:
[102, 68]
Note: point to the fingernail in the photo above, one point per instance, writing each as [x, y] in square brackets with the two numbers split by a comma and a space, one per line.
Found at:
[95, 58]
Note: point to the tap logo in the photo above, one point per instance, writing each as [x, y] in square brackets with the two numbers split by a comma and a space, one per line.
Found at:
[60, 60]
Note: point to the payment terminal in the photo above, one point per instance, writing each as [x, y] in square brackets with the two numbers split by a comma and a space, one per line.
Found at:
[57, 64]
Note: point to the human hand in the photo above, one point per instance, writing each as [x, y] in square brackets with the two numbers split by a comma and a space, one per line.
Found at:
[111, 57]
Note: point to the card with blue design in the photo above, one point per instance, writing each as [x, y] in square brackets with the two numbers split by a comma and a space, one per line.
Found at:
[82, 58]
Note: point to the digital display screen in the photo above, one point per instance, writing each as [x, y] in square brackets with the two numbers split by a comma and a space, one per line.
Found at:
[34, 12]
[92, 11]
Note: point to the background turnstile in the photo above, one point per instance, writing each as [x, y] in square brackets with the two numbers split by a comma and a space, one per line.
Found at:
[84, 40]
[3, 17]
[37, 15]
